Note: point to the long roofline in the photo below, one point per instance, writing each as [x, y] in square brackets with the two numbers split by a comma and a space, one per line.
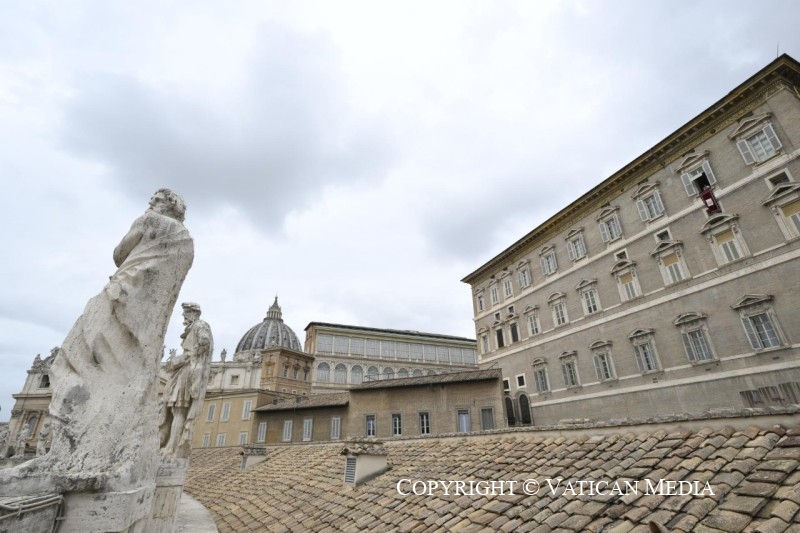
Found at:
[410, 333]
[784, 67]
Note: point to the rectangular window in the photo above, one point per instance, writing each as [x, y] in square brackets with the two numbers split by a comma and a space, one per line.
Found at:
[480, 302]
[226, 412]
[221, 439]
[540, 379]
[602, 366]
[234, 380]
[464, 425]
[590, 301]
[559, 314]
[336, 428]
[487, 418]
[650, 207]
[576, 248]
[484, 343]
[698, 179]
[494, 294]
[248, 404]
[628, 286]
[372, 428]
[521, 380]
[211, 408]
[508, 287]
[645, 359]
[424, 423]
[672, 267]
[287, 431]
[397, 425]
[727, 245]
[533, 324]
[549, 265]
[262, 431]
[514, 332]
[759, 147]
[760, 331]
[696, 345]
[792, 214]
[525, 276]
[610, 229]
[308, 424]
[569, 372]
[506, 384]
[242, 438]
[500, 339]
[206, 440]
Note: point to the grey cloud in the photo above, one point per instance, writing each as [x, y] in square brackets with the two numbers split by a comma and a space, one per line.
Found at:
[289, 132]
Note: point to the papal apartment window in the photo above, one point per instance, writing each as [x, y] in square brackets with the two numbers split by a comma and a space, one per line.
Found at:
[226, 412]
[308, 424]
[221, 439]
[499, 337]
[494, 294]
[540, 376]
[248, 405]
[644, 350]
[372, 428]
[336, 428]
[759, 321]
[524, 275]
[210, 415]
[569, 369]
[696, 173]
[480, 303]
[514, 330]
[756, 139]
[397, 424]
[784, 202]
[587, 289]
[558, 305]
[624, 272]
[608, 224]
[206, 440]
[464, 423]
[520, 380]
[243, 438]
[603, 363]
[576, 248]
[424, 423]
[671, 263]
[508, 287]
[287, 431]
[262, 431]
[648, 202]
[547, 258]
[694, 334]
[44, 381]
[725, 237]
[532, 318]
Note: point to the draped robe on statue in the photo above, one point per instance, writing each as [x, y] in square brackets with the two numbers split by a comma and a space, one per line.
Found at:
[104, 406]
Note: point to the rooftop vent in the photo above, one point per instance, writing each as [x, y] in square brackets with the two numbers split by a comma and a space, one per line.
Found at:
[364, 460]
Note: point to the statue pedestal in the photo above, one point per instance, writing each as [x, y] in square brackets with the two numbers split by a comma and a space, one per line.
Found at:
[169, 487]
[103, 512]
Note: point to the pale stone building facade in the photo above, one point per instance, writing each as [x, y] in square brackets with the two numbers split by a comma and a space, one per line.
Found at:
[670, 286]
[346, 356]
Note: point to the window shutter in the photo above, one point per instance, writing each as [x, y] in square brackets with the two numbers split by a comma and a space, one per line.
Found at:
[659, 204]
[751, 334]
[350, 471]
[688, 185]
[598, 368]
[687, 345]
[709, 173]
[744, 149]
[544, 265]
[571, 250]
[603, 231]
[770, 132]
[642, 210]
[554, 262]
[639, 361]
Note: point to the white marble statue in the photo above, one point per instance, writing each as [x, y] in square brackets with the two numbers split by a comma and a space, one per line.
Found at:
[41, 440]
[104, 405]
[22, 439]
[4, 437]
[186, 387]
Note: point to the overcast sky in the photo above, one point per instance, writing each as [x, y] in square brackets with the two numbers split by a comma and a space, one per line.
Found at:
[356, 159]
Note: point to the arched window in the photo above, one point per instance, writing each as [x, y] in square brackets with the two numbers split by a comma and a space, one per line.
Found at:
[431, 372]
[417, 373]
[524, 410]
[323, 373]
[402, 373]
[372, 373]
[356, 374]
[512, 421]
[388, 373]
[340, 374]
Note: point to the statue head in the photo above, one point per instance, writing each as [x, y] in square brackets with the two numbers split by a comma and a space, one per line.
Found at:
[191, 312]
[169, 203]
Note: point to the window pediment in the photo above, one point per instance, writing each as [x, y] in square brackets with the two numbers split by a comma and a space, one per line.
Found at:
[784, 191]
[573, 232]
[692, 160]
[606, 212]
[478, 291]
[568, 353]
[666, 246]
[522, 264]
[539, 361]
[483, 329]
[686, 318]
[547, 249]
[622, 265]
[586, 283]
[602, 343]
[644, 189]
[752, 299]
[531, 309]
[748, 124]
[641, 332]
[717, 221]
[503, 274]
[510, 316]
[555, 297]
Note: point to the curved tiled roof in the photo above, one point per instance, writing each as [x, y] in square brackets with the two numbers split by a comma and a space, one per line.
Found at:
[269, 332]
[754, 474]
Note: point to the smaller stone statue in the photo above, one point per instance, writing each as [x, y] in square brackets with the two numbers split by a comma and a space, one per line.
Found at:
[22, 439]
[4, 435]
[41, 441]
[186, 386]
[223, 355]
